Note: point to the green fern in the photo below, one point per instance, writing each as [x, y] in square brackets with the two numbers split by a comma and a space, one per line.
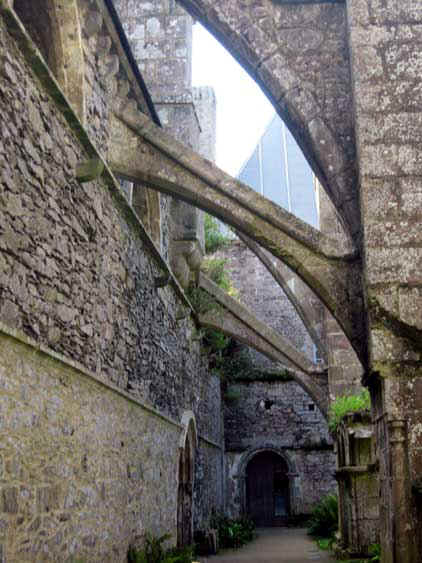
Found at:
[324, 518]
[375, 552]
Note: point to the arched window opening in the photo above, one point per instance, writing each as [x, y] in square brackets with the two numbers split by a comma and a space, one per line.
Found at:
[184, 507]
[268, 489]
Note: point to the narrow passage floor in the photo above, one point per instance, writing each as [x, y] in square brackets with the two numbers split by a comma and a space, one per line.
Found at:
[275, 545]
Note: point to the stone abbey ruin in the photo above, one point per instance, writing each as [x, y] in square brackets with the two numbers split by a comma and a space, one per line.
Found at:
[114, 421]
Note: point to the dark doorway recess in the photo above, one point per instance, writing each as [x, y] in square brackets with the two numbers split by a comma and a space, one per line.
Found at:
[184, 502]
[267, 489]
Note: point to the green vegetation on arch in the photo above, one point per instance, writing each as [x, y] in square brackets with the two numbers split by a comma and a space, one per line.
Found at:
[215, 269]
[215, 343]
[214, 238]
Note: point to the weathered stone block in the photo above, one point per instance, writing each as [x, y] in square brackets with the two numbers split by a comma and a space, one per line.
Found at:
[48, 498]
[410, 305]
[9, 500]
[395, 11]
[397, 265]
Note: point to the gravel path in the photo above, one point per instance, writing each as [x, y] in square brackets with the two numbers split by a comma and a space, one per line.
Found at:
[274, 545]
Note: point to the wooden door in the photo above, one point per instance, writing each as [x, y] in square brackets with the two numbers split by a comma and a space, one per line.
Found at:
[184, 507]
[267, 489]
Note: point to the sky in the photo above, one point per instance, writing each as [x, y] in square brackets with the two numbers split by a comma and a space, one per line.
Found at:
[243, 111]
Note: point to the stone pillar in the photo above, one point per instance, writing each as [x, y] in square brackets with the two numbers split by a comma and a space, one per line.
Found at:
[386, 62]
[400, 490]
[358, 485]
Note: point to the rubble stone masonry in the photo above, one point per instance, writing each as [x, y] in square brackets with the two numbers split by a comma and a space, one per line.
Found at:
[90, 426]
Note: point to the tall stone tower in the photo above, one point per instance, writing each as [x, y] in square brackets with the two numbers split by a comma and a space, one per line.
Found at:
[160, 34]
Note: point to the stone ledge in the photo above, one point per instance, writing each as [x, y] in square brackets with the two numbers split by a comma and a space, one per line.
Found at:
[356, 469]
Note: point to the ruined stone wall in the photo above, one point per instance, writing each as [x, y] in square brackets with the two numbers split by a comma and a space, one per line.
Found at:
[82, 466]
[77, 277]
[75, 274]
[278, 416]
[273, 414]
[160, 35]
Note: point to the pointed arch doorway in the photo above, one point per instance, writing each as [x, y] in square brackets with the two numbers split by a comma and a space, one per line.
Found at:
[187, 447]
[268, 489]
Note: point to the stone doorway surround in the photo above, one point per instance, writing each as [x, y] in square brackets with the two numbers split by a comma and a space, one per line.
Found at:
[187, 447]
[292, 475]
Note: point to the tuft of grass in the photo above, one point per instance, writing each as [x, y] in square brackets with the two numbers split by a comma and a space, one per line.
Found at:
[325, 543]
[347, 404]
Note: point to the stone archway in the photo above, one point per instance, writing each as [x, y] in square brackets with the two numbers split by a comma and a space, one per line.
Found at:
[187, 445]
[267, 489]
[280, 497]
